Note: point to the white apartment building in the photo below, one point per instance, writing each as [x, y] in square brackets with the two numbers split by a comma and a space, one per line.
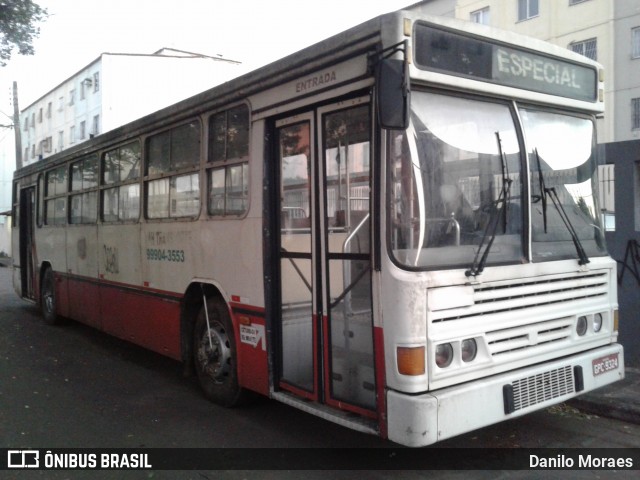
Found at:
[113, 90]
[604, 30]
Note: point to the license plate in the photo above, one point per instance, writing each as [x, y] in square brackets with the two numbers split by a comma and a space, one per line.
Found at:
[605, 364]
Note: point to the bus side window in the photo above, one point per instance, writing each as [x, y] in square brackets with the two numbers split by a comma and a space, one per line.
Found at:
[172, 152]
[15, 218]
[40, 201]
[84, 198]
[55, 203]
[121, 174]
[228, 179]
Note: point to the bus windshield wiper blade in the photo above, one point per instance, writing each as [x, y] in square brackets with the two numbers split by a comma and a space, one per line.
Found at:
[478, 266]
[543, 192]
[583, 259]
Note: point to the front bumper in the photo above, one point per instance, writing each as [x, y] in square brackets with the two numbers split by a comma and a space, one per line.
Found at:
[419, 420]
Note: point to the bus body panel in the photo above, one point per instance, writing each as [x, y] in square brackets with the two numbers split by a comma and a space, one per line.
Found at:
[420, 420]
[82, 271]
[546, 296]
[146, 318]
[251, 332]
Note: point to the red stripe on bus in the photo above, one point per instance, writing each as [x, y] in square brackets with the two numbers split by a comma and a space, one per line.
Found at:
[253, 366]
[151, 318]
[147, 317]
[378, 353]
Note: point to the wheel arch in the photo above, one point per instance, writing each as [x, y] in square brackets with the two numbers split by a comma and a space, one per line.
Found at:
[44, 266]
[192, 302]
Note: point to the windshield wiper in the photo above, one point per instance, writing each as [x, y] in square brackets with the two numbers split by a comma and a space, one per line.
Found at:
[583, 259]
[497, 213]
[543, 192]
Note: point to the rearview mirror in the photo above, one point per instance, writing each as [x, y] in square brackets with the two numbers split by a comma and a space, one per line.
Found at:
[393, 94]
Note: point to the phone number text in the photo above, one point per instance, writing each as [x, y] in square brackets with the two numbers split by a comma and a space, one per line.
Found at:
[162, 255]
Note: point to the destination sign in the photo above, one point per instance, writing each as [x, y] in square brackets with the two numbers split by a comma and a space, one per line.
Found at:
[457, 54]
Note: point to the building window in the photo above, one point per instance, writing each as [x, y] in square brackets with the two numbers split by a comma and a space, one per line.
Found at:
[481, 16]
[606, 175]
[228, 180]
[72, 134]
[49, 108]
[635, 113]
[96, 82]
[173, 152]
[95, 129]
[60, 104]
[60, 140]
[83, 130]
[588, 48]
[72, 97]
[45, 145]
[40, 115]
[635, 39]
[26, 123]
[527, 9]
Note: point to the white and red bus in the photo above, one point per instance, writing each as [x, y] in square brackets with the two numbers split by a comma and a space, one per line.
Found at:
[395, 229]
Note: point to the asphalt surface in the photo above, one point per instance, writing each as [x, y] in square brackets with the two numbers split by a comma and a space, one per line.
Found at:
[620, 400]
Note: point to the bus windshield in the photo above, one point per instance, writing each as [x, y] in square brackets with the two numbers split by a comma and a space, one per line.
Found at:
[563, 181]
[456, 184]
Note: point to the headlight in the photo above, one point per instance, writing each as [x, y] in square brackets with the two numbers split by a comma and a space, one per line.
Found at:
[469, 349]
[581, 327]
[444, 355]
[597, 322]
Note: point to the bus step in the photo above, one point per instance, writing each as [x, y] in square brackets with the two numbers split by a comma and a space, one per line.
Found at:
[346, 419]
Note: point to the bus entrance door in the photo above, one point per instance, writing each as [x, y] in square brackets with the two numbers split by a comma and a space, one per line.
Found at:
[325, 306]
[27, 242]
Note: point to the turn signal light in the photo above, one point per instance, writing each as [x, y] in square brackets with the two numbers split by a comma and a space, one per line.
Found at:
[411, 360]
[615, 320]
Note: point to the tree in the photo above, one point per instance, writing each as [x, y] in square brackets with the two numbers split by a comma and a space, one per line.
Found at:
[18, 19]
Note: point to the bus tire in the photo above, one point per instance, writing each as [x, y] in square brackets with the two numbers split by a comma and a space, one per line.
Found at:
[215, 358]
[48, 298]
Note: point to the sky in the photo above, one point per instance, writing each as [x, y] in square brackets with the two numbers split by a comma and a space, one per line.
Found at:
[254, 32]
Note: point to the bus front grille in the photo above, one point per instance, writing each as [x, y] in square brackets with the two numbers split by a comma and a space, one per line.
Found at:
[539, 388]
[506, 297]
[509, 340]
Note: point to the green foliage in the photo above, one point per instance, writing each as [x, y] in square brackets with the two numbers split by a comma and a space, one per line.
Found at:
[18, 19]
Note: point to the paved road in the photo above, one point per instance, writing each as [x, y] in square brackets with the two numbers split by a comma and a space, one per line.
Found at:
[72, 386]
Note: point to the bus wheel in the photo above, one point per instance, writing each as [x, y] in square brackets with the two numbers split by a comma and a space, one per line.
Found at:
[48, 298]
[215, 357]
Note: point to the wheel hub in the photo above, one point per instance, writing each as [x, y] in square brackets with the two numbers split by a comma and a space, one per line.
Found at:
[214, 353]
